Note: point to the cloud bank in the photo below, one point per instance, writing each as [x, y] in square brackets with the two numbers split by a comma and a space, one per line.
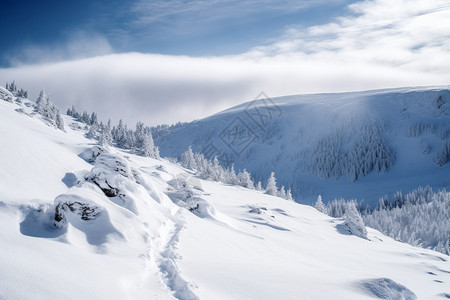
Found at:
[380, 44]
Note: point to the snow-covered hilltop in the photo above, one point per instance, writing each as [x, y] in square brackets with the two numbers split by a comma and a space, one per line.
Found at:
[81, 221]
[361, 145]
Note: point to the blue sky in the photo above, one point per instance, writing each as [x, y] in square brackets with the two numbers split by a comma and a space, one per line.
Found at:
[195, 28]
[169, 61]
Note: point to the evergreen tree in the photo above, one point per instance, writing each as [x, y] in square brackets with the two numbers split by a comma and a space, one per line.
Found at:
[188, 160]
[354, 221]
[245, 180]
[59, 121]
[11, 87]
[105, 136]
[282, 192]
[218, 171]
[259, 186]
[271, 187]
[139, 135]
[289, 195]
[120, 134]
[231, 177]
[93, 119]
[45, 107]
[319, 205]
[93, 132]
[148, 147]
[41, 101]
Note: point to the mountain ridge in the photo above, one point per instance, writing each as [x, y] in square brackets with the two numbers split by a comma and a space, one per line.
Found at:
[287, 140]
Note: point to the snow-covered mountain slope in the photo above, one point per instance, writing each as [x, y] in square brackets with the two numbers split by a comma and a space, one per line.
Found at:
[82, 222]
[359, 145]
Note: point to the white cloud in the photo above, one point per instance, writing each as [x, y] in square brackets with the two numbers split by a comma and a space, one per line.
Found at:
[395, 33]
[179, 13]
[384, 43]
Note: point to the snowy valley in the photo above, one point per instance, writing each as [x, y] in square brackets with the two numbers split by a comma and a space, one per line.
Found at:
[81, 219]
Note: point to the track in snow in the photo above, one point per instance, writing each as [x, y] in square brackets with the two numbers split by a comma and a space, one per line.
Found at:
[163, 255]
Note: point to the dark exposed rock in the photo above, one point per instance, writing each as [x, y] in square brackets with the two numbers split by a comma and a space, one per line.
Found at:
[86, 212]
[107, 189]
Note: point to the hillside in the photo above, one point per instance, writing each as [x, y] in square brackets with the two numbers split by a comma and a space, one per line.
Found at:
[361, 145]
[79, 221]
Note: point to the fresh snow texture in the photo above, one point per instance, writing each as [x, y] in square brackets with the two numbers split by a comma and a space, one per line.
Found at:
[83, 222]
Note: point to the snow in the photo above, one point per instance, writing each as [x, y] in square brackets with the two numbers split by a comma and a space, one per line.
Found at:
[292, 131]
[147, 242]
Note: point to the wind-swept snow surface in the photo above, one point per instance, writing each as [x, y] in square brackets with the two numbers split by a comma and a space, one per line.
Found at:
[359, 145]
[78, 221]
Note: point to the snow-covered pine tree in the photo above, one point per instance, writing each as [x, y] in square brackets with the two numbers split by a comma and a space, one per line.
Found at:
[218, 171]
[188, 160]
[45, 107]
[320, 206]
[120, 134]
[130, 140]
[139, 134]
[11, 87]
[93, 119]
[406, 215]
[85, 118]
[271, 187]
[148, 147]
[93, 132]
[231, 177]
[73, 112]
[354, 221]
[245, 180]
[289, 195]
[40, 101]
[105, 136]
[336, 208]
[383, 203]
[282, 192]
[59, 121]
[259, 186]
